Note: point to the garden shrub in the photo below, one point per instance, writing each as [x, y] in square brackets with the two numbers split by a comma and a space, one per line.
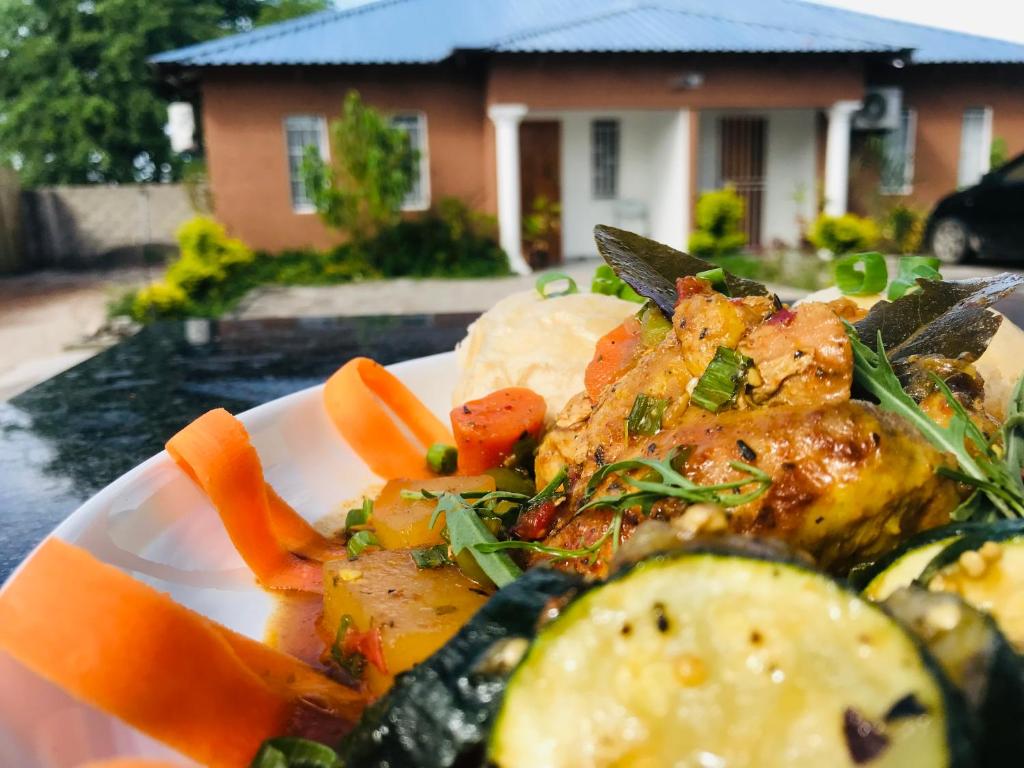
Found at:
[903, 229]
[719, 230]
[843, 234]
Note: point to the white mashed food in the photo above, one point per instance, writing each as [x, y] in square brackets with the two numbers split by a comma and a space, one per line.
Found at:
[1000, 366]
[542, 344]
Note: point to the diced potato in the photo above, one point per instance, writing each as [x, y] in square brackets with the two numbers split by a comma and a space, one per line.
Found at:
[403, 524]
[417, 610]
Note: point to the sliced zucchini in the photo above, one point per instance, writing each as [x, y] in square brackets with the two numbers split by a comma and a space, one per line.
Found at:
[986, 568]
[711, 655]
[440, 711]
[904, 564]
[978, 660]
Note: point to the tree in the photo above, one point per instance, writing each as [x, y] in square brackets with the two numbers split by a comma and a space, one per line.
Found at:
[78, 101]
[274, 11]
[362, 191]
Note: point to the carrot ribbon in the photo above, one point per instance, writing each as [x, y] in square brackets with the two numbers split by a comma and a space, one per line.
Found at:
[279, 546]
[358, 398]
[120, 645]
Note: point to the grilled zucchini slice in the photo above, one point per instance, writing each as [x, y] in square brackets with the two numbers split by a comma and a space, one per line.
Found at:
[716, 656]
[978, 660]
[904, 564]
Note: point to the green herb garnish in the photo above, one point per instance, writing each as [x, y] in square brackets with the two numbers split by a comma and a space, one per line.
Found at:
[358, 543]
[352, 663]
[359, 516]
[720, 383]
[910, 268]
[442, 459]
[466, 530]
[861, 274]
[645, 415]
[292, 752]
[997, 478]
[554, 277]
[431, 557]
[716, 277]
[606, 282]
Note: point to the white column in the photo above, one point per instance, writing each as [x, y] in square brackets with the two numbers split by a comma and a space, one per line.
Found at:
[669, 192]
[506, 118]
[837, 156]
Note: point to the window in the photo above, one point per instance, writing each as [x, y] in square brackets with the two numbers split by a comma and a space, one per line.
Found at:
[605, 159]
[975, 146]
[415, 125]
[302, 131]
[898, 156]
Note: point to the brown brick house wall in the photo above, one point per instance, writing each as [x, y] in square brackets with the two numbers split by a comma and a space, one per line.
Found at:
[243, 122]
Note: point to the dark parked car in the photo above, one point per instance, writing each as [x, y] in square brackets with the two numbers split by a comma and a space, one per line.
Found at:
[986, 220]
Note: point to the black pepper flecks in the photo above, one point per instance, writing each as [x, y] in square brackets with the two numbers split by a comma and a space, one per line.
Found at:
[627, 629]
[864, 740]
[703, 333]
[746, 452]
[599, 456]
[660, 618]
[905, 706]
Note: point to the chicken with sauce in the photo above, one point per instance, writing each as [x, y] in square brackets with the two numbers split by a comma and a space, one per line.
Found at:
[848, 481]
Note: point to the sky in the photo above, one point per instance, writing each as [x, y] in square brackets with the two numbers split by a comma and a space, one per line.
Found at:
[991, 18]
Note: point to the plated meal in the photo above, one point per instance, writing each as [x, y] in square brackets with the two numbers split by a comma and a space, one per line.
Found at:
[671, 521]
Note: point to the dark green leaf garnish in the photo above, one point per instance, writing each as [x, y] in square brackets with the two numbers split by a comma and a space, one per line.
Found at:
[431, 557]
[359, 542]
[861, 274]
[651, 268]
[944, 317]
[645, 415]
[442, 459]
[555, 277]
[466, 530]
[292, 752]
[721, 381]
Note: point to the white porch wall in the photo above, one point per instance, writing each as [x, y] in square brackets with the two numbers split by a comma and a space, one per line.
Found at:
[646, 155]
[790, 168]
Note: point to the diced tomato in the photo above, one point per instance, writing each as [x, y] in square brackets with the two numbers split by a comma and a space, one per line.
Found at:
[535, 523]
[368, 644]
[691, 286]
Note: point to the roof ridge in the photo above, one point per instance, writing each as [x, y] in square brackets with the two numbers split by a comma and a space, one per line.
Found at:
[834, 9]
[649, 5]
[528, 32]
[282, 28]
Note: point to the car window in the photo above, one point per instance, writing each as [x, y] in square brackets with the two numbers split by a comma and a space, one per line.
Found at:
[1014, 175]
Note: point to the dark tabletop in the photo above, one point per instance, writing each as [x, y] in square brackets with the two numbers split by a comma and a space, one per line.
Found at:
[65, 439]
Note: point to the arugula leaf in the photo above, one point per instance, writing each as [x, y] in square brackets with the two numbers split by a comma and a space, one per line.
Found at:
[466, 530]
[980, 468]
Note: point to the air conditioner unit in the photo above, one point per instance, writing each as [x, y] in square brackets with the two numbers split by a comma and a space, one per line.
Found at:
[881, 110]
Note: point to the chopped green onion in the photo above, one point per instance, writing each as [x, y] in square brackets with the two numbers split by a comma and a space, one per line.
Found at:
[606, 282]
[626, 293]
[716, 277]
[292, 752]
[359, 542]
[442, 459]
[553, 277]
[645, 415]
[861, 274]
[431, 557]
[721, 380]
[654, 326]
[360, 516]
[910, 268]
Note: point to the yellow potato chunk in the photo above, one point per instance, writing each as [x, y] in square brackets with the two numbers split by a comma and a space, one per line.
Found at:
[403, 524]
[416, 610]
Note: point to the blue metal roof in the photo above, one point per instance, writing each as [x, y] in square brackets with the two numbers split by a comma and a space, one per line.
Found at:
[429, 31]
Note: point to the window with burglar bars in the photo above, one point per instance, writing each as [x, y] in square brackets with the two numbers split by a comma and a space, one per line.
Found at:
[975, 146]
[302, 131]
[898, 156]
[415, 126]
[605, 159]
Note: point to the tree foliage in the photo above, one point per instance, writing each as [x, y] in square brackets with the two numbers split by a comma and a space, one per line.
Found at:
[78, 101]
[274, 11]
[361, 191]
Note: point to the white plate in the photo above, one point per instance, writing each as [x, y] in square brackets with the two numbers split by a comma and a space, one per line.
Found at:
[154, 523]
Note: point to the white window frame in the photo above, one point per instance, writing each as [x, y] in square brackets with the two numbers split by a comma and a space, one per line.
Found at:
[984, 161]
[909, 147]
[617, 165]
[421, 201]
[301, 207]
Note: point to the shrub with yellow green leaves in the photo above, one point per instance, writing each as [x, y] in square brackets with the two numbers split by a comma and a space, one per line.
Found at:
[843, 234]
[719, 220]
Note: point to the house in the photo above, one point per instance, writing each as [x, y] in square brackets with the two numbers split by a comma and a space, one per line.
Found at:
[623, 111]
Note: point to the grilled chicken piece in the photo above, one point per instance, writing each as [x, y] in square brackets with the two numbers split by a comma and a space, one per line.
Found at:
[848, 481]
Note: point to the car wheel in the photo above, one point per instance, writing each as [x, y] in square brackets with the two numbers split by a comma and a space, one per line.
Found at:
[951, 241]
